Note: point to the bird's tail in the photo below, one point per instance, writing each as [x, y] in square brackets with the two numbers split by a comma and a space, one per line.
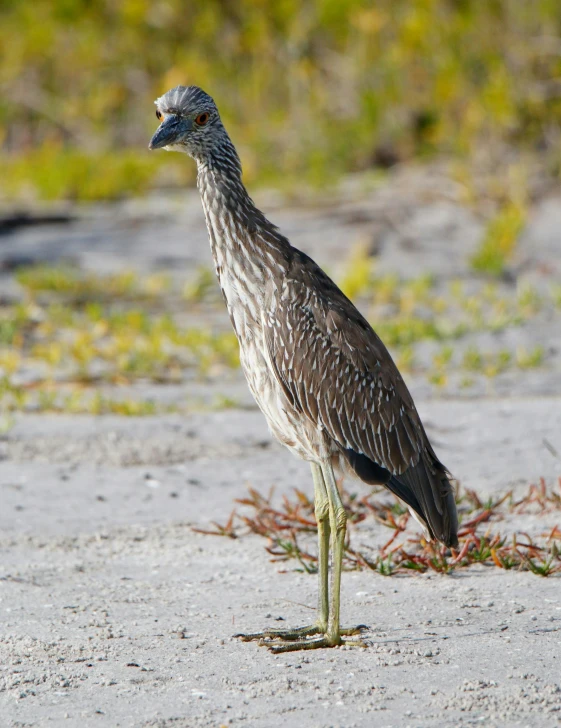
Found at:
[424, 487]
[427, 489]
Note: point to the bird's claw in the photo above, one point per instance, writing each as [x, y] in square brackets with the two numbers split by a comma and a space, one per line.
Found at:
[304, 638]
[283, 634]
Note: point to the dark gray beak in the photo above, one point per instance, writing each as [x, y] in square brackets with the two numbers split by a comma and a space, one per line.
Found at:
[170, 131]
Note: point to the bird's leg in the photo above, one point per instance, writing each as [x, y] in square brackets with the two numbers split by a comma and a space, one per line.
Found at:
[321, 505]
[332, 522]
[338, 523]
[321, 502]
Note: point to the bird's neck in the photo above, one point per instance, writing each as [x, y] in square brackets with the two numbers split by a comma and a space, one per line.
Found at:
[247, 249]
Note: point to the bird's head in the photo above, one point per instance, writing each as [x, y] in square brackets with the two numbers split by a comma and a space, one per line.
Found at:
[189, 122]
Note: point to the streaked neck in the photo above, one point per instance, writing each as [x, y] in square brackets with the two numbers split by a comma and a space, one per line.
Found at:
[243, 241]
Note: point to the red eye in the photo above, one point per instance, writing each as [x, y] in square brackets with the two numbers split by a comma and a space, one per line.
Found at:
[202, 119]
[159, 115]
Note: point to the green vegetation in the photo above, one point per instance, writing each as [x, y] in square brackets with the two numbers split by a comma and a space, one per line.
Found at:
[79, 287]
[54, 172]
[288, 524]
[499, 242]
[309, 90]
[406, 313]
[530, 359]
[358, 275]
[76, 332]
[201, 287]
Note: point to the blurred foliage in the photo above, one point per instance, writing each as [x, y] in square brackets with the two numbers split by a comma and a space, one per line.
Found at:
[405, 312]
[499, 241]
[73, 333]
[80, 287]
[439, 330]
[309, 90]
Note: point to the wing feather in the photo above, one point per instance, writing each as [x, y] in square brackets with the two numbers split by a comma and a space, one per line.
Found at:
[333, 368]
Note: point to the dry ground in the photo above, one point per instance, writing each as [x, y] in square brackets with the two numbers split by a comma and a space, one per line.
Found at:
[115, 613]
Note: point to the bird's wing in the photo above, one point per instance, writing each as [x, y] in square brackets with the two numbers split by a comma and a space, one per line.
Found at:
[334, 369]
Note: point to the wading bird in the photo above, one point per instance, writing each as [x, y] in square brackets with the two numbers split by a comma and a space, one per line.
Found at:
[325, 382]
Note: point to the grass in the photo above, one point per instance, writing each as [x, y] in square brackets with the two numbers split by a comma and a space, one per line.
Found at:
[76, 331]
[530, 359]
[286, 525]
[309, 91]
[78, 287]
[55, 172]
[84, 402]
[489, 364]
[202, 287]
[406, 313]
[84, 330]
[358, 275]
[497, 248]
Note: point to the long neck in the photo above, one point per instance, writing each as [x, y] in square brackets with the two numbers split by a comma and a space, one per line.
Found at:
[247, 249]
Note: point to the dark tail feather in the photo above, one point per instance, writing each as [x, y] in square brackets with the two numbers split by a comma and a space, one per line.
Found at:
[434, 493]
[425, 489]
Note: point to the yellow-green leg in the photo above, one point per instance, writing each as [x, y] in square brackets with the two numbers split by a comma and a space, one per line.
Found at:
[338, 524]
[331, 522]
[321, 506]
[321, 503]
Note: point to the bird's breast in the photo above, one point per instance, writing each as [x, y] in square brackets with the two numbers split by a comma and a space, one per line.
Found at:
[244, 272]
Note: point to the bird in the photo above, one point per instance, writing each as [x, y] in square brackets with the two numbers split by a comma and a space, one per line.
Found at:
[328, 387]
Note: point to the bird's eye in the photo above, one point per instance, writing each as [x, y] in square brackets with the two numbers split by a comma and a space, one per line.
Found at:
[202, 119]
[159, 115]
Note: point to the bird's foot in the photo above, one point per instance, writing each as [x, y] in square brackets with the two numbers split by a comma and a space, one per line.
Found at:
[311, 637]
[281, 633]
[315, 643]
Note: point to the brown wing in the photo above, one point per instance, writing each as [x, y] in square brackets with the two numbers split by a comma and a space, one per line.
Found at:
[336, 371]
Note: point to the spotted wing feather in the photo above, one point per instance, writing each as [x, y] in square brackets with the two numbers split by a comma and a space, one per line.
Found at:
[335, 370]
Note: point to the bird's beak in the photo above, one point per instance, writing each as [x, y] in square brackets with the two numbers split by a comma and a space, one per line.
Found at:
[170, 131]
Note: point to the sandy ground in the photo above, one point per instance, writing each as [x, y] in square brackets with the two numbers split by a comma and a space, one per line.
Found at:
[114, 612]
